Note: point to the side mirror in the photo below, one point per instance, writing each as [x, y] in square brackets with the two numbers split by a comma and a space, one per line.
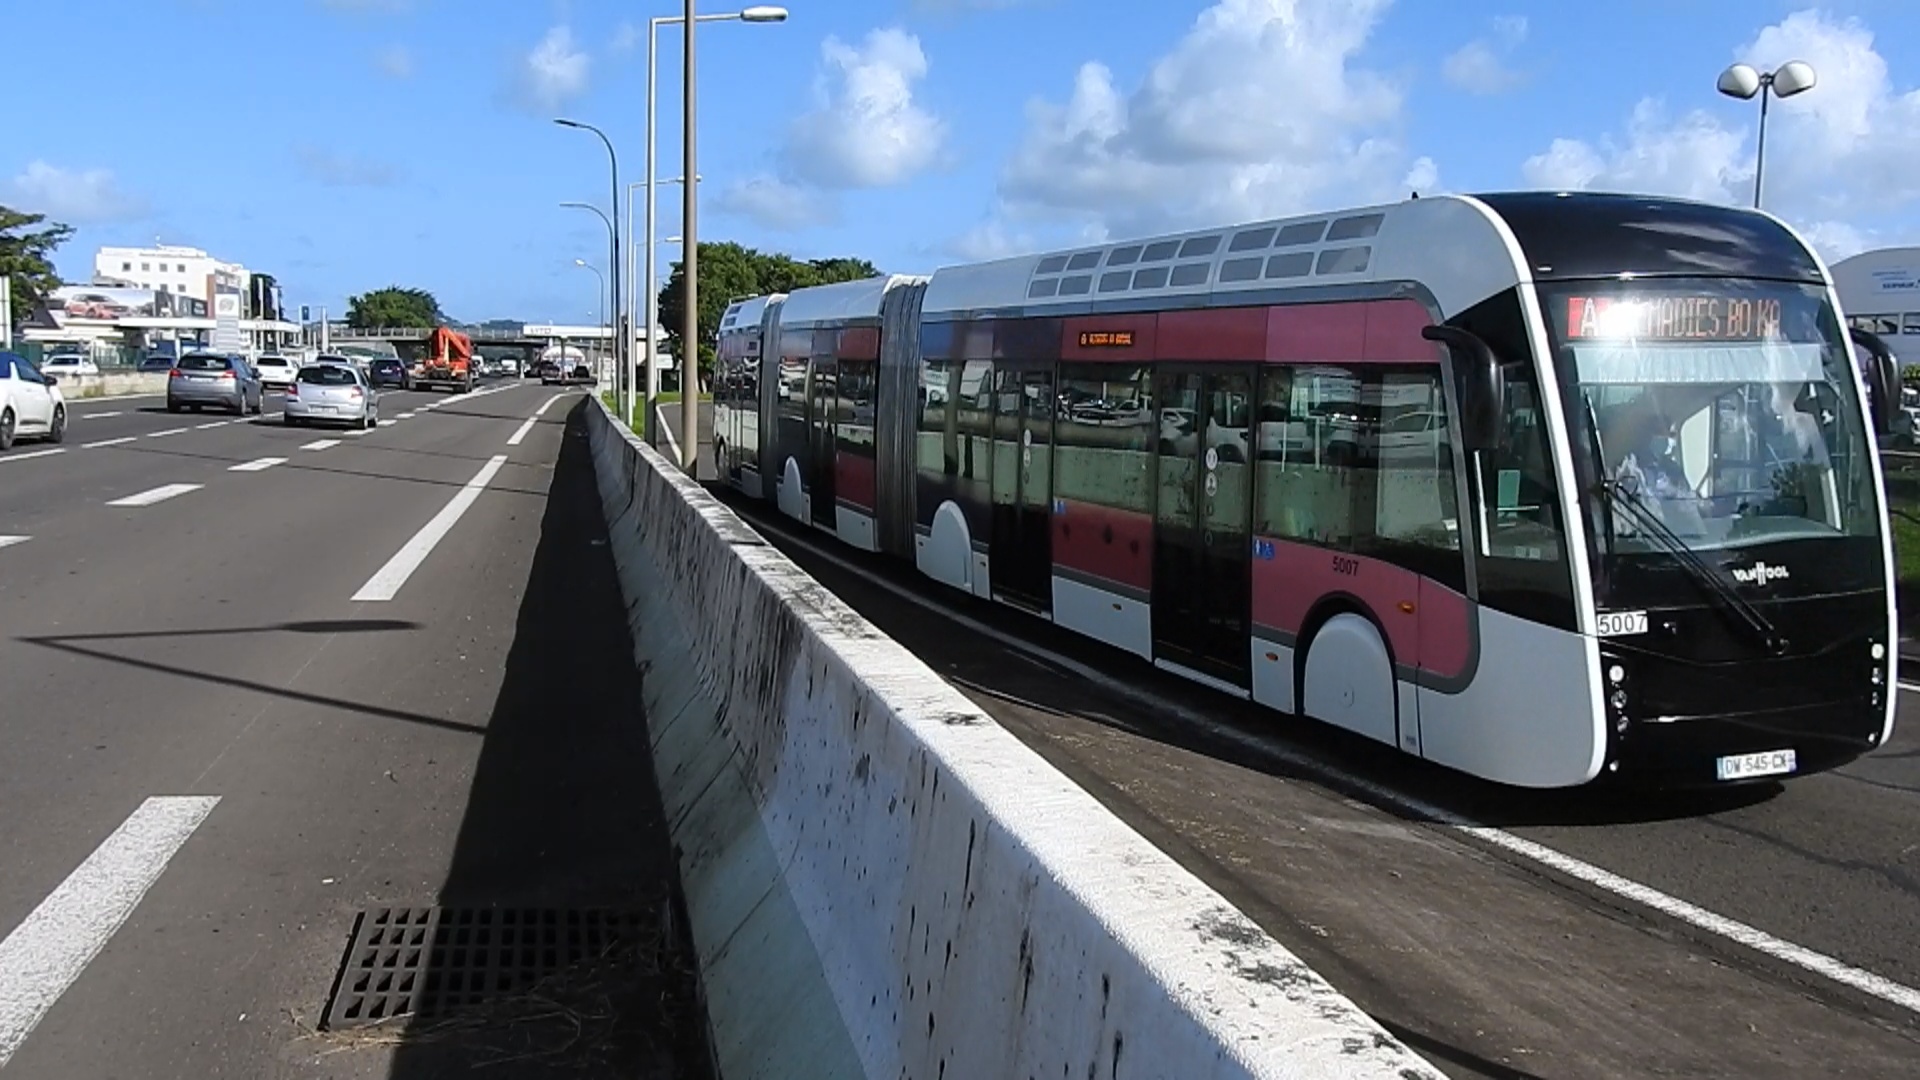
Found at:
[1482, 382]
[47, 379]
[1883, 380]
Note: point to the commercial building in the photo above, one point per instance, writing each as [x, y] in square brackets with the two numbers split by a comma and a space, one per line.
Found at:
[164, 299]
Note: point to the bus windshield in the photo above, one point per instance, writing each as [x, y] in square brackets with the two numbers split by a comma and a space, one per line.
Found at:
[1726, 409]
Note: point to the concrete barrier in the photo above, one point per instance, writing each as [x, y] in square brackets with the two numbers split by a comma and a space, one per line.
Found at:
[882, 882]
[112, 384]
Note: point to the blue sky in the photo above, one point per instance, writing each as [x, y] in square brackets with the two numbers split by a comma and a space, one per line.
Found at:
[348, 144]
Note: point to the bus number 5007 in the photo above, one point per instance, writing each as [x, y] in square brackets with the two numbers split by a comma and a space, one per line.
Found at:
[1344, 565]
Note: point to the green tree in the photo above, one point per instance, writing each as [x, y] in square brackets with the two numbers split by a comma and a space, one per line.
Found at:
[394, 306]
[729, 272]
[25, 257]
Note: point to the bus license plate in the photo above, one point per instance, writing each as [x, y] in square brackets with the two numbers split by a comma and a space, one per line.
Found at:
[1767, 763]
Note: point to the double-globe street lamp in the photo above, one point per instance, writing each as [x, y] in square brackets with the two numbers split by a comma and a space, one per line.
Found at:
[613, 252]
[613, 240]
[1743, 82]
[690, 258]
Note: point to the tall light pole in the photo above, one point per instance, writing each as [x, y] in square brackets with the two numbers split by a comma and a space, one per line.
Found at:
[1743, 82]
[759, 13]
[632, 278]
[613, 230]
[603, 287]
[612, 246]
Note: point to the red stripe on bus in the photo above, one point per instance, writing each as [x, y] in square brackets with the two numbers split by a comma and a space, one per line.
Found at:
[853, 479]
[1212, 334]
[1317, 332]
[859, 343]
[1099, 540]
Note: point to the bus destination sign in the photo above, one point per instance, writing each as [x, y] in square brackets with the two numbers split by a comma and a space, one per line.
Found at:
[1106, 339]
[1674, 318]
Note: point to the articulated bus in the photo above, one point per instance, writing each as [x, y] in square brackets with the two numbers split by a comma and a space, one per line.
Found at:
[1542, 487]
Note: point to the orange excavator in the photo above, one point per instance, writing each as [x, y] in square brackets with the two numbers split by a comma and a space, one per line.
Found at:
[446, 361]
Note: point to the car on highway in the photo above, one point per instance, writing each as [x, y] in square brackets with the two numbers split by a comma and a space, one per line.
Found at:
[331, 393]
[388, 371]
[30, 403]
[202, 379]
[157, 362]
[69, 365]
[276, 372]
[546, 371]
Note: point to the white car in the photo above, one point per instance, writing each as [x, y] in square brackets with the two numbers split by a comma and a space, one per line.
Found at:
[331, 393]
[69, 365]
[30, 403]
[276, 371]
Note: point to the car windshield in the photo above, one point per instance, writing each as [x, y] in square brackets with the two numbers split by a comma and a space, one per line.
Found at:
[203, 363]
[1728, 409]
[328, 375]
[272, 361]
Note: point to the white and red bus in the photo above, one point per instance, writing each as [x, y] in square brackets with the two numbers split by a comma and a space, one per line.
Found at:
[1542, 487]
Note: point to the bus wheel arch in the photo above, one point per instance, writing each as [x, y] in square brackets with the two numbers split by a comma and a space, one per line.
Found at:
[1344, 671]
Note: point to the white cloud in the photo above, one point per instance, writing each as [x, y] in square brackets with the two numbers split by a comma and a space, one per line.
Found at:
[1201, 141]
[1846, 151]
[866, 130]
[396, 61]
[775, 203]
[344, 170]
[991, 240]
[1479, 66]
[72, 196]
[552, 72]
[626, 38]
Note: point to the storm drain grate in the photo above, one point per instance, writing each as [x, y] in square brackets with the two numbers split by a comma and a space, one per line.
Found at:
[428, 962]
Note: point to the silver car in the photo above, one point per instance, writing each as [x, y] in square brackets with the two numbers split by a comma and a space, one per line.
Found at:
[331, 393]
[201, 379]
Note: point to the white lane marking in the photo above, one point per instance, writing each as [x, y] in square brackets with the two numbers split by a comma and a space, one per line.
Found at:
[514, 439]
[211, 426]
[542, 410]
[388, 423]
[169, 431]
[660, 412]
[386, 582]
[122, 440]
[35, 454]
[9, 541]
[99, 415]
[257, 465]
[1866, 982]
[1911, 688]
[55, 943]
[355, 433]
[408, 415]
[155, 495]
[321, 444]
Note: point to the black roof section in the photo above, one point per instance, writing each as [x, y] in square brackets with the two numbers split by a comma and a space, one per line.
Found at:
[1586, 235]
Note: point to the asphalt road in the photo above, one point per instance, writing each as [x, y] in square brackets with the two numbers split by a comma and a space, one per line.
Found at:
[1486, 960]
[215, 757]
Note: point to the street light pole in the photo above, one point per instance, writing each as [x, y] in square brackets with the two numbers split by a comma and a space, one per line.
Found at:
[689, 264]
[633, 282]
[603, 287]
[612, 244]
[1743, 82]
[613, 232]
[759, 13]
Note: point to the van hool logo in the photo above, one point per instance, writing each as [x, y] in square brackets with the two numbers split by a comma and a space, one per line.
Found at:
[1760, 574]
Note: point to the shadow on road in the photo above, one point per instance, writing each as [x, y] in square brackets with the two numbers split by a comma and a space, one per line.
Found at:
[565, 816]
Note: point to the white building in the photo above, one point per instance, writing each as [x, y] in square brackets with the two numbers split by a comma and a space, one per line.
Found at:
[169, 268]
[1880, 291]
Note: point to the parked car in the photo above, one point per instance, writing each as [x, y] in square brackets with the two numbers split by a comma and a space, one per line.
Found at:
[68, 365]
[388, 371]
[30, 403]
[276, 372]
[331, 393]
[201, 379]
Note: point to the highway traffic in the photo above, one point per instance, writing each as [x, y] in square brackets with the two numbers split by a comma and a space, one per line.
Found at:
[259, 679]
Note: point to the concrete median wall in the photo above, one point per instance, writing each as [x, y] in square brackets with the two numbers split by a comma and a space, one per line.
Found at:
[112, 384]
[882, 882]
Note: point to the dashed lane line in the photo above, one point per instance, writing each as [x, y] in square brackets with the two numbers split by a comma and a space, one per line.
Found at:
[155, 495]
[9, 541]
[321, 444]
[515, 438]
[46, 953]
[386, 582]
[257, 465]
[121, 441]
[167, 432]
[34, 454]
[548, 404]
[99, 415]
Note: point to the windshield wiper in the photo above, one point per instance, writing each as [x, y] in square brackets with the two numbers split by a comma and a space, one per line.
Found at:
[1599, 468]
[1704, 575]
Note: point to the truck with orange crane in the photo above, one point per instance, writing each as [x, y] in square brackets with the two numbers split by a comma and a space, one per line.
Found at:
[446, 360]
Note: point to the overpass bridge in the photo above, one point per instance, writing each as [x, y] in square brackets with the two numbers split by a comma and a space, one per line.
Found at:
[529, 335]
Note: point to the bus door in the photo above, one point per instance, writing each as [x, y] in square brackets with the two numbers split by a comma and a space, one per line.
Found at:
[1020, 560]
[821, 400]
[1202, 530]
